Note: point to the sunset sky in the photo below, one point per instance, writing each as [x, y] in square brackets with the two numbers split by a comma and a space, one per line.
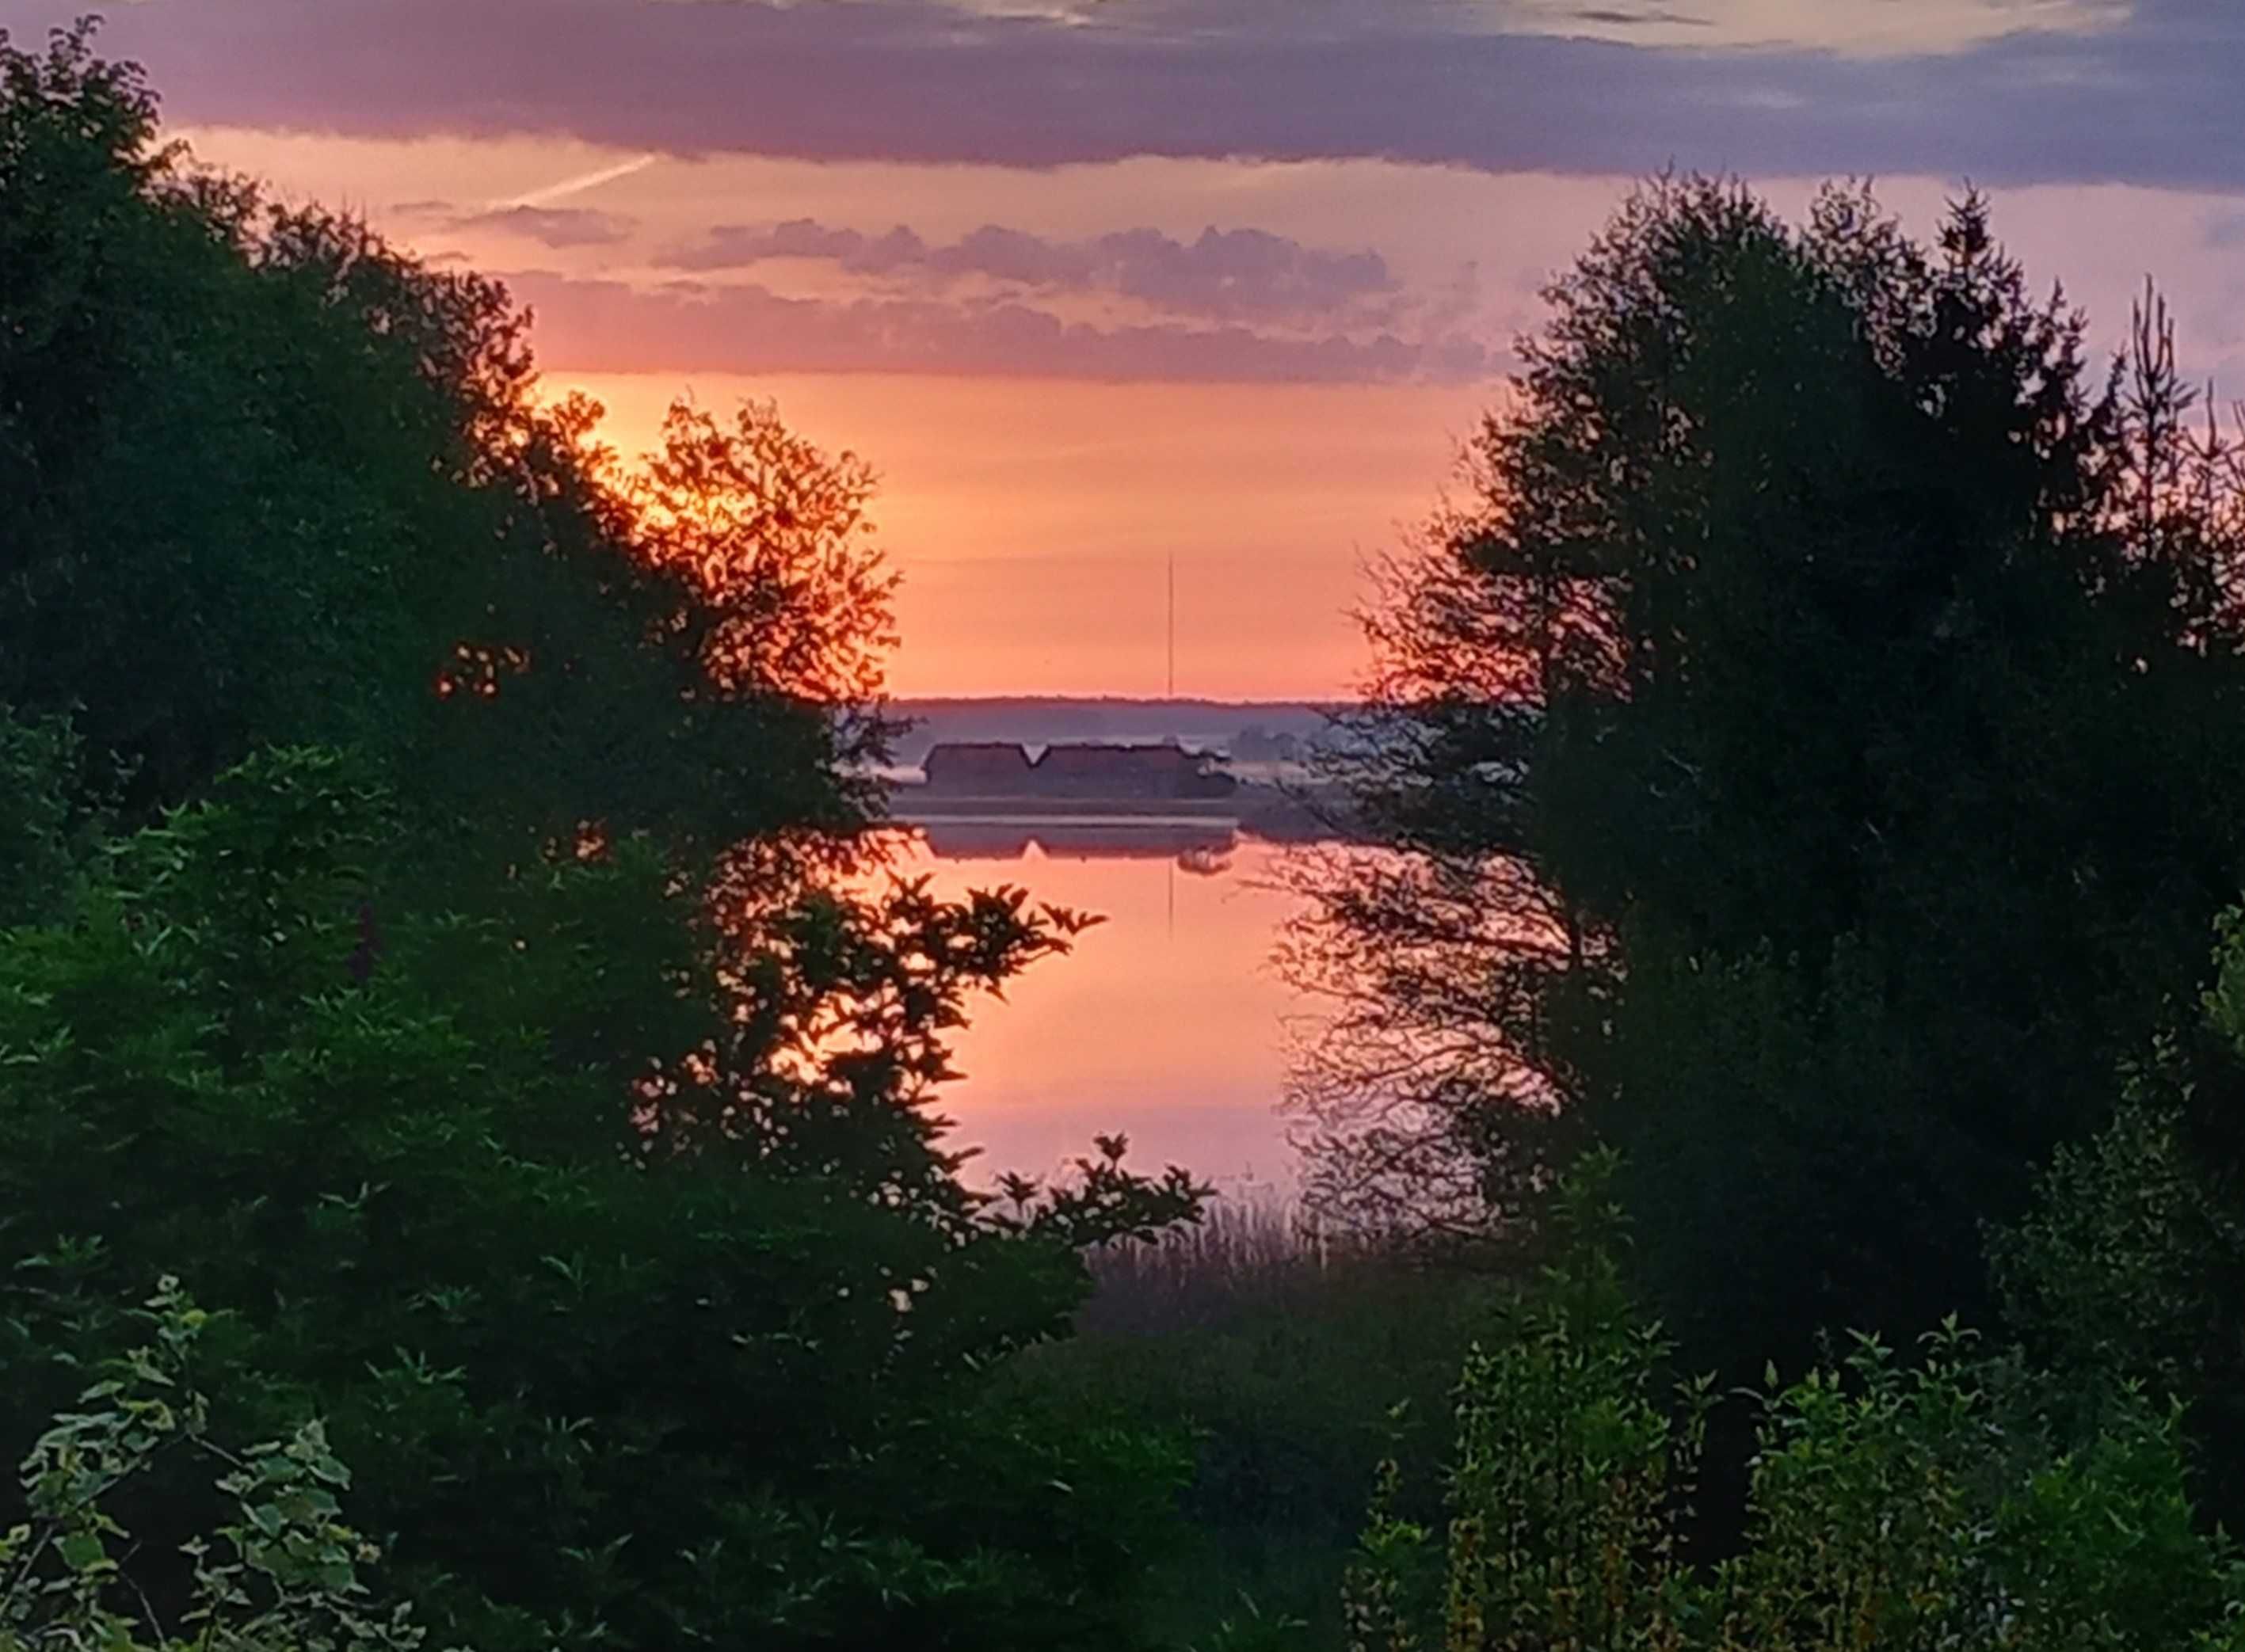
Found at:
[1098, 283]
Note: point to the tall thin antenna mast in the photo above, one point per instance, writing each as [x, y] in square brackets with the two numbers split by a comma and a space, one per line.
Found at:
[1173, 625]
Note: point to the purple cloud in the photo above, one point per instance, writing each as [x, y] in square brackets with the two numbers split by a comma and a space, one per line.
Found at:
[596, 326]
[1235, 274]
[2148, 99]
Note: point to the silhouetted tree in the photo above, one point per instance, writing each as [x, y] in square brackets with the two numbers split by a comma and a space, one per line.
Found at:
[626, 1259]
[418, 932]
[264, 478]
[1812, 758]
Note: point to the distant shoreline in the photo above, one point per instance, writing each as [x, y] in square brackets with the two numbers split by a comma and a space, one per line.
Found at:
[1256, 730]
[1259, 812]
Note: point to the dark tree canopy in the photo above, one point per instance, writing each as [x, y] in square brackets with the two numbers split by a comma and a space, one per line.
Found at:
[631, 1273]
[420, 932]
[1814, 751]
[264, 478]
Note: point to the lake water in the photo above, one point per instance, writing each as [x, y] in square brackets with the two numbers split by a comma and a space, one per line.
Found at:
[1167, 1022]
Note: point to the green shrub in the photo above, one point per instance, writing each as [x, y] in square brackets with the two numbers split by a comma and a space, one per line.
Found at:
[1964, 1502]
[477, 1016]
[2127, 1267]
[622, 1254]
[281, 1576]
[40, 826]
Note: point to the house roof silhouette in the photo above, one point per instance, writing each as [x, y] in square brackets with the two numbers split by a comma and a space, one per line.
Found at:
[1001, 769]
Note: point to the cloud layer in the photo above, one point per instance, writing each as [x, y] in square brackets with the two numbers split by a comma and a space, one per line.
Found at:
[597, 325]
[1224, 274]
[1230, 305]
[2037, 89]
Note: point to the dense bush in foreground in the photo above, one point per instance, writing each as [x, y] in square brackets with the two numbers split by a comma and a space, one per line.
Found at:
[1965, 1500]
[623, 1343]
[281, 1576]
[422, 932]
[2130, 1266]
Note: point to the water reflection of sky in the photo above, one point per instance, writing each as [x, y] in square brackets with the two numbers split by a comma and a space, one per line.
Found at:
[1167, 1021]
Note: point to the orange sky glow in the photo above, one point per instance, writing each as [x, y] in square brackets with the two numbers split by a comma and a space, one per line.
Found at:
[1069, 377]
[1033, 519]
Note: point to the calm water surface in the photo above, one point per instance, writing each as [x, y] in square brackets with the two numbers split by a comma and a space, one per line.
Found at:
[1167, 1022]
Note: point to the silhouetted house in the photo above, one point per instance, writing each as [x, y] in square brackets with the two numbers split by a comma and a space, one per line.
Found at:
[999, 770]
[988, 769]
[1130, 771]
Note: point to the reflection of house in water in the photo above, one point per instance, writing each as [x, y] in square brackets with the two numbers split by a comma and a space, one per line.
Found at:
[1000, 769]
[1206, 847]
[1208, 860]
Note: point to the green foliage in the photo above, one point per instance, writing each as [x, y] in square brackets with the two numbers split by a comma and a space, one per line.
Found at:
[1291, 1370]
[2129, 1263]
[304, 484]
[40, 823]
[690, 1348]
[2120, 1269]
[208, 471]
[1962, 1501]
[1253, 1629]
[283, 1573]
[476, 1015]
[472, 1005]
[1766, 1120]
[1814, 748]
[1570, 1476]
[1941, 1505]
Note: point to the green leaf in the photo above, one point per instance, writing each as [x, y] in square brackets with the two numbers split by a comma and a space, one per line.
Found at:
[82, 1551]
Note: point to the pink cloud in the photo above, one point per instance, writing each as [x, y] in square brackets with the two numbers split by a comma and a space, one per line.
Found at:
[1232, 275]
[602, 325]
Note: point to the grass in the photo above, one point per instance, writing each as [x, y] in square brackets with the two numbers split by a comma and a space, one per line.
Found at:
[1247, 1256]
[1286, 1350]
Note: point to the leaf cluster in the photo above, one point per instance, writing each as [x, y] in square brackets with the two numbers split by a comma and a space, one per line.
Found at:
[1964, 1499]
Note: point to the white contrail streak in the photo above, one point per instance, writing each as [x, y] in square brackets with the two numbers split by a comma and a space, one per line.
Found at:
[552, 192]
